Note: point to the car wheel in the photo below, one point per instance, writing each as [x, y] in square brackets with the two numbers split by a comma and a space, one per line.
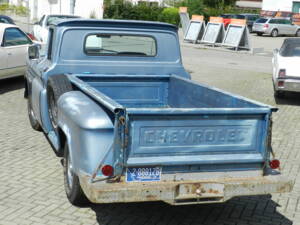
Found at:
[274, 33]
[259, 34]
[32, 119]
[71, 181]
[298, 33]
[57, 85]
[279, 94]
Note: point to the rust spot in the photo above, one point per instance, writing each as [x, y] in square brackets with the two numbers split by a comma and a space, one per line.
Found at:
[213, 191]
[151, 197]
[122, 120]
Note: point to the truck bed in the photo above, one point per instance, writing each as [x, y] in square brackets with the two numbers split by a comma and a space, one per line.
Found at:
[164, 92]
[175, 122]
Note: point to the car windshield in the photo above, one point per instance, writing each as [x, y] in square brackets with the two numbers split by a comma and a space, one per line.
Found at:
[52, 19]
[291, 49]
[240, 17]
[261, 20]
[225, 16]
[120, 45]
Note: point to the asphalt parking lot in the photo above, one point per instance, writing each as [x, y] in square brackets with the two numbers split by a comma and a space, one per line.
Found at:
[31, 179]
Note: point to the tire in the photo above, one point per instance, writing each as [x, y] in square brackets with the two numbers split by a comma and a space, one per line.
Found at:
[71, 182]
[298, 33]
[279, 94]
[57, 85]
[33, 121]
[274, 33]
[259, 34]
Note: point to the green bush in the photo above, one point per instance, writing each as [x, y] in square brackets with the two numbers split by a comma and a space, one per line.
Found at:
[209, 8]
[127, 11]
[170, 15]
[4, 7]
[19, 10]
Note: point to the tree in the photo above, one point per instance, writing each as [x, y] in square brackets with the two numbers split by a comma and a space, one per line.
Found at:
[194, 6]
[218, 3]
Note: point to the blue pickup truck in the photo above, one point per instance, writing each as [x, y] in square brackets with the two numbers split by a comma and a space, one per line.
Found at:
[114, 100]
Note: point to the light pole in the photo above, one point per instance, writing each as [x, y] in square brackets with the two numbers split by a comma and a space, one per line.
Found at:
[60, 6]
[72, 6]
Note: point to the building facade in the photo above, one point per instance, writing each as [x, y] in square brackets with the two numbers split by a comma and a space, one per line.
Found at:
[83, 8]
[148, 2]
[255, 4]
[282, 5]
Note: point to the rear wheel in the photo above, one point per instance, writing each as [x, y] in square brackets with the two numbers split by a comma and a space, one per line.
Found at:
[57, 85]
[32, 119]
[274, 33]
[279, 94]
[71, 181]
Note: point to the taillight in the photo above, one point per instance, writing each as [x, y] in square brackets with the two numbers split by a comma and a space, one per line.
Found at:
[31, 36]
[274, 164]
[280, 83]
[107, 170]
[281, 73]
[266, 26]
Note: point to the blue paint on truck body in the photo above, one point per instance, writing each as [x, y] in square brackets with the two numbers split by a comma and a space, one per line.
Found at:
[143, 111]
[172, 121]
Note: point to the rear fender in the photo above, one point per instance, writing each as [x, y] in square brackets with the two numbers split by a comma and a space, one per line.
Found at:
[88, 130]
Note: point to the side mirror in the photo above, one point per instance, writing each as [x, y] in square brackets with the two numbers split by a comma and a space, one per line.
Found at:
[34, 51]
[275, 51]
[36, 23]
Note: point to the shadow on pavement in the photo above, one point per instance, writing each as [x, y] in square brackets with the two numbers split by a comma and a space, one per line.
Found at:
[258, 210]
[289, 99]
[11, 84]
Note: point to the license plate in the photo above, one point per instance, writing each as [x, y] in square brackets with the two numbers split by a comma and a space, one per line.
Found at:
[143, 174]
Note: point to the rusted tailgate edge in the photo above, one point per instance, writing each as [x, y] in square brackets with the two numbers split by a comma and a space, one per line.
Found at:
[183, 192]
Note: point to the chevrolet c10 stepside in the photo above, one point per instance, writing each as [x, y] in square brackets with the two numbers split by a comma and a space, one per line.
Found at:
[114, 100]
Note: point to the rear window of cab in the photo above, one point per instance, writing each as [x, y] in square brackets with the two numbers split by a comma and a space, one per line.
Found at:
[120, 45]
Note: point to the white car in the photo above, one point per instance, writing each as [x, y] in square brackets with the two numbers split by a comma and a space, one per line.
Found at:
[286, 73]
[13, 51]
[40, 29]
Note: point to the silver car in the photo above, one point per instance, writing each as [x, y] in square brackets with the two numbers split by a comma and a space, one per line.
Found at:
[275, 27]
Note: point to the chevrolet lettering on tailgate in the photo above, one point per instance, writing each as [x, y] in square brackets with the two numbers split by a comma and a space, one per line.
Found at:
[193, 135]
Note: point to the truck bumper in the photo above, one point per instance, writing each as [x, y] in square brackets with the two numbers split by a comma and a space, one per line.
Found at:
[292, 85]
[183, 192]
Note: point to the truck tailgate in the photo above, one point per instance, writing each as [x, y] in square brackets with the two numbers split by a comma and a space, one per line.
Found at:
[197, 136]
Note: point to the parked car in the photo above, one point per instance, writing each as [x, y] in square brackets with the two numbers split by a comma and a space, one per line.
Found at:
[6, 19]
[40, 29]
[13, 50]
[227, 19]
[286, 73]
[133, 127]
[250, 19]
[275, 27]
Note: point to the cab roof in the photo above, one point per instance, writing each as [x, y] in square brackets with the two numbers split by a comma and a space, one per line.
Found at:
[114, 23]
